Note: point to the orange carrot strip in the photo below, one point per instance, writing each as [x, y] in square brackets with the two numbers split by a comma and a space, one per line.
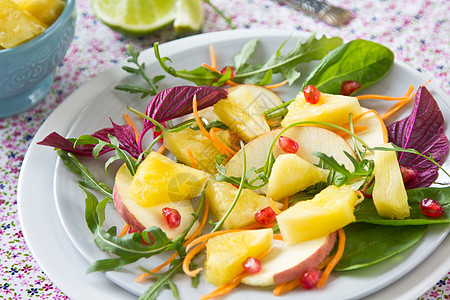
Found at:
[207, 236]
[125, 229]
[274, 207]
[333, 262]
[130, 122]
[286, 287]
[189, 257]
[285, 203]
[278, 237]
[191, 157]
[276, 85]
[325, 262]
[161, 149]
[396, 107]
[212, 131]
[213, 56]
[218, 144]
[212, 69]
[197, 118]
[381, 97]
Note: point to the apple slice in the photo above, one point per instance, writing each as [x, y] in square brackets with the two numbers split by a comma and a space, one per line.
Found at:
[288, 262]
[316, 139]
[375, 133]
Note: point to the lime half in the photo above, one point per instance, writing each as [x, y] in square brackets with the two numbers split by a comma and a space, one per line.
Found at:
[135, 17]
[190, 16]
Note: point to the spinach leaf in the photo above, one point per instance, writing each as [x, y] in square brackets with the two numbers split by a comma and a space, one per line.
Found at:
[359, 60]
[366, 212]
[367, 244]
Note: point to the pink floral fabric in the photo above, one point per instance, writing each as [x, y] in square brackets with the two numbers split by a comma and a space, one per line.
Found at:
[417, 31]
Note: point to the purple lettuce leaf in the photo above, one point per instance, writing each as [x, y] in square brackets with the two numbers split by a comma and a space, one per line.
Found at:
[124, 134]
[423, 130]
[177, 101]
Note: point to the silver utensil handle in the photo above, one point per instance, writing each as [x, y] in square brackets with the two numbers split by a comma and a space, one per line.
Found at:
[310, 6]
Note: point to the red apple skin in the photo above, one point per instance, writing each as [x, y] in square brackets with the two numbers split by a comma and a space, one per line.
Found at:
[312, 261]
[126, 215]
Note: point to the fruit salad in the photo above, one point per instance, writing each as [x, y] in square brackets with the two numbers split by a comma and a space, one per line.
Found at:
[246, 188]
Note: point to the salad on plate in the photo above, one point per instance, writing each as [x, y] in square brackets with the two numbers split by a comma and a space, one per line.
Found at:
[245, 188]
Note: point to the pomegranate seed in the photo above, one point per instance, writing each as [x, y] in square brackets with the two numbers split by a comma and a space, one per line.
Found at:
[172, 216]
[252, 265]
[408, 173]
[431, 208]
[311, 94]
[265, 216]
[233, 71]
[310, 278]
[349, 86]
[157, 132]
[288, 145]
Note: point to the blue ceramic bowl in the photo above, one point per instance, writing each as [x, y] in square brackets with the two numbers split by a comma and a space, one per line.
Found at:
[26, 70]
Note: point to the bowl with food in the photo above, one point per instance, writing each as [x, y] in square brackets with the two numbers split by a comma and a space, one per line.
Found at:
[34, 38]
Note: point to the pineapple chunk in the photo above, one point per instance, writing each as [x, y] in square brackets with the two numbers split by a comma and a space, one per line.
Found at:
[241, 114]
[201, 147]
[159, 179]
[389, 193]
[328, 211]
[221, 194]
[333, 109]
[226, 253]
[292, 174]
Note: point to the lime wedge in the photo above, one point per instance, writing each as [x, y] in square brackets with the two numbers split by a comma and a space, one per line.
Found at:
[190, 16]
[135, 17]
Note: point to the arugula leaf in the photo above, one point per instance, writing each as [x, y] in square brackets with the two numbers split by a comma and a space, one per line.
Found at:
[359, 60]
[140, 70]
[73, 164]
[366, 211]
[163, 280]
[367, 244]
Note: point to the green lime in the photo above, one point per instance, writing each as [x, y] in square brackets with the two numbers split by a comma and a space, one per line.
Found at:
[190, 16]
[135, 17]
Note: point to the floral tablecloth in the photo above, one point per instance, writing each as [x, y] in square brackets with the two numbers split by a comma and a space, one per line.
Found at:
[416, 30]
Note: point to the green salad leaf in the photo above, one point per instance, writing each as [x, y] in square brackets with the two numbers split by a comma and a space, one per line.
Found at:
[367, 244]
[362, 61]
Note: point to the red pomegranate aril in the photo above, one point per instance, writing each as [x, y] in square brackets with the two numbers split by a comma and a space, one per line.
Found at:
[310, 278]
[349, 86]
[233, 71]
[252, 265]
[265, 216]
[431, 208]
[408, 173]
[172, 216]
[312, 95]
[288, 145]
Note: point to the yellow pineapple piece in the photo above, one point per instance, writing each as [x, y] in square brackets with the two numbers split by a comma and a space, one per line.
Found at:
[201, 147]
[292, 174]
[333, 109]
[226, 253]
[159, 179]
[17, 25]
[47, 11]
[241, 114]
[221, 194]
[389, 193]
[328, 211]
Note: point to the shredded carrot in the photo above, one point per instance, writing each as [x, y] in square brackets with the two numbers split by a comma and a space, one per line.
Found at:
[381, 97]
[285, 203]
[161, 149]
[213, 56]
[325, 262]
[130, 122]
[225, 149]
[276, 85]
[333, 262]
[360, 198]
[274, 207]
[286, 287]
[230, 285]
[208, 236]
[197, 118]
[189, 257]
[191, 157]
[397, 106]
[125, 229]
[278, 237]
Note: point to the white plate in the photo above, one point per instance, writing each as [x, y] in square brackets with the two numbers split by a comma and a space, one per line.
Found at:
[88, 110]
